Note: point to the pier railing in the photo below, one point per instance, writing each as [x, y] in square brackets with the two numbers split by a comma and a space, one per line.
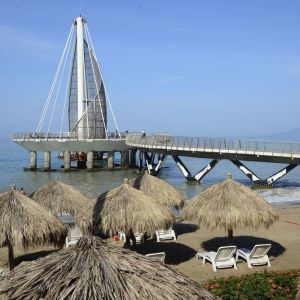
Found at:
[219, 145]
[62, 136]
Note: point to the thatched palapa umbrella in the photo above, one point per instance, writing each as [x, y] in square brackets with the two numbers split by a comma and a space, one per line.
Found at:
[24, 222]
[125, 209]
[60, 197]
[230, 205]
[160, 191]
[94, 270]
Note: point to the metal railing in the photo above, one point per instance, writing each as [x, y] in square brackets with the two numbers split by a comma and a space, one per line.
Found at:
[63, 136]
[220, 145]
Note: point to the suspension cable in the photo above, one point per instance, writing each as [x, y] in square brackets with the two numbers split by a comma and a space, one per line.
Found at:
[66, 96]
[42, 119]
[95, 79]
[105, 90]
[59, 83]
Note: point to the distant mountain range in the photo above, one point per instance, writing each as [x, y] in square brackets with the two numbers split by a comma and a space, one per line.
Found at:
[292, 135]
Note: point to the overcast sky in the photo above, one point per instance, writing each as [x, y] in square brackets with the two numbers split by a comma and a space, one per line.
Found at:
[188, 67]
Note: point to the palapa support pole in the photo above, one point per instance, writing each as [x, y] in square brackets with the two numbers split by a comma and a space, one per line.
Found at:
[10, 253]
[230, 236]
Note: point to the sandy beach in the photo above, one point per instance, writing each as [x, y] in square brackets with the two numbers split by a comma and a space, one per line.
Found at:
[284, 236]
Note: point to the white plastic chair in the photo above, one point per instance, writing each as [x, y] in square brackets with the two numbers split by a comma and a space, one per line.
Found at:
[165, 235]
[72, 240]
[139, 237]
[74, 235]
[257, 256]
[223, 258]
[159, 256]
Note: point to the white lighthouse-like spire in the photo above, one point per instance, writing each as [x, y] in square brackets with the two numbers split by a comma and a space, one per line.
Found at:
[85, 97]
[81, 80]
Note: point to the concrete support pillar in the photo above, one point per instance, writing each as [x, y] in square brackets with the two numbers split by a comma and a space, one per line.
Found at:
[67, 161]
[124, 159]
[111, 160]
[33, 160]
[47, 161]
[90, 160]
[132, 158]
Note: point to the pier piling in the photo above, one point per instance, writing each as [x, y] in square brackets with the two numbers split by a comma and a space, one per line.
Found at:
[67, 161]
[47, 161]
[111, 160]
[124, 159]
[90, 160]
[33, 160]
[132, 158]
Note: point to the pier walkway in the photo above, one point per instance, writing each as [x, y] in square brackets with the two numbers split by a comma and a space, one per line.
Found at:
[235, 150]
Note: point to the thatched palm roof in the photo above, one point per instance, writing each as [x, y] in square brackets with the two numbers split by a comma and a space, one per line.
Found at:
[125, 208]
[161, 192]
[26, 223]
[94, 270]
[230, 205]
[60, 197]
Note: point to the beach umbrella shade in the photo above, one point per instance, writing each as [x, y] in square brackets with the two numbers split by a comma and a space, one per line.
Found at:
[160, 191]
[94, 270]
[230, 205]
[25, 223]
[124, 209]
[60, 197]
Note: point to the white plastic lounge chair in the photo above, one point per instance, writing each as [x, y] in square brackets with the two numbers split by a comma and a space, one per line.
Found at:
[223, 258]
[139, 237]
[159, 256]
[72, 240]
[74, 234]
[165, 235]
[256, 256]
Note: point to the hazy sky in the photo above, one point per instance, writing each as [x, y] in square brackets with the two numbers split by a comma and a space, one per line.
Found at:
[189, 67]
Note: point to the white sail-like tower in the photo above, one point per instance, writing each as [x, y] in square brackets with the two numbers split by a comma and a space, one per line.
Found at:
[84, 109]
[86, 97]
[87, 103]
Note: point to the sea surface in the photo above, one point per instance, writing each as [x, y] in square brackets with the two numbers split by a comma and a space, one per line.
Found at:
[13, 159]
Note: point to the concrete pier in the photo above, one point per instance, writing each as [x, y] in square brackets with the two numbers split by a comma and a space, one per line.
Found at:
[124, 159]
[67, 161]
[33, 160]
[111, 160]
[132, 158]
[47, 161]
[89, 160]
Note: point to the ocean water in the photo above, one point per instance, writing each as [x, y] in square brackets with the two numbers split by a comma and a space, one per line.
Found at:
[13, 159]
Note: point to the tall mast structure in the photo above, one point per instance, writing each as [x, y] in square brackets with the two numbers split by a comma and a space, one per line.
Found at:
[85, 106]
[87, 101]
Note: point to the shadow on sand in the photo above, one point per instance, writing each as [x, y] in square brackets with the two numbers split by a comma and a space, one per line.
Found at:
[182, 228]
[243, 241]
[33, 256]
[176, 253]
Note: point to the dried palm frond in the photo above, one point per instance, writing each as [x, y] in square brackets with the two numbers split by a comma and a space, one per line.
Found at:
[24, 222]
[161, 192]
[230, 205]
[94, 270]
[122, 209]
[60, 197]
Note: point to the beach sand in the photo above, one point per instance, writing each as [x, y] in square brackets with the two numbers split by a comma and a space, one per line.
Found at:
[284, 236]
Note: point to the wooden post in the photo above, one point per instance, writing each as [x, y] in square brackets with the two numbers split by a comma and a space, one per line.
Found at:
[10, 253]
[230, 236]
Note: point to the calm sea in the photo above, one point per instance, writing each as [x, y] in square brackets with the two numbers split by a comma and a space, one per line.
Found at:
[13, 158]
